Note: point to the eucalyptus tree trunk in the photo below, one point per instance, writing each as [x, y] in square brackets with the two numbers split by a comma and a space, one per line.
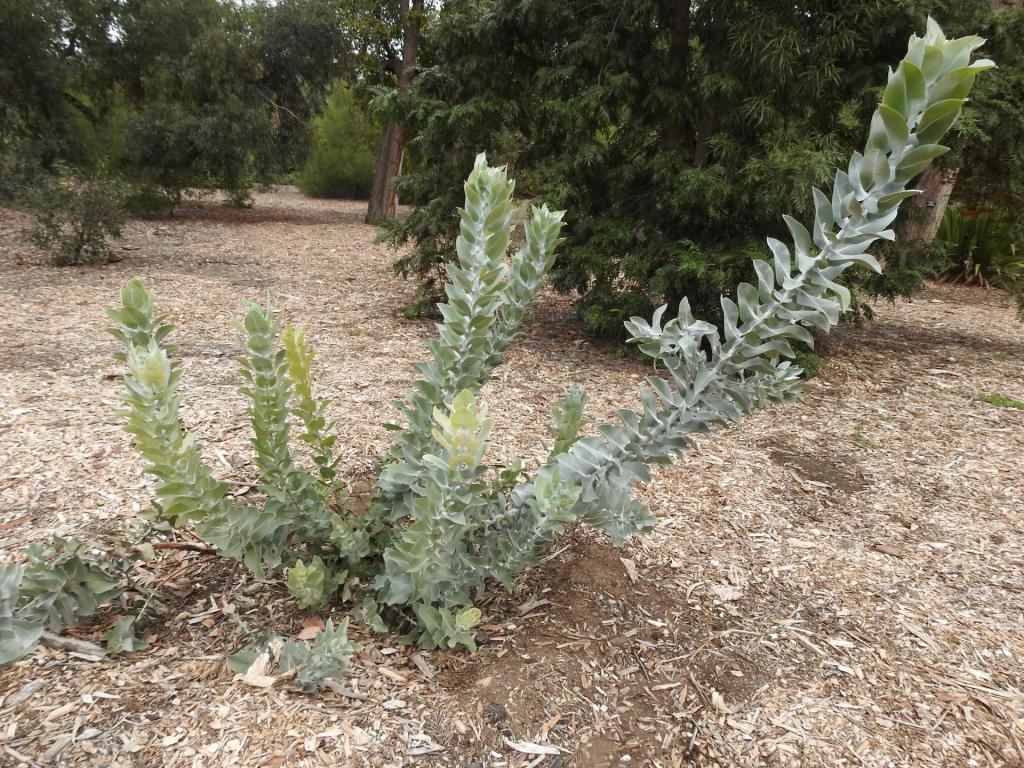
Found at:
[936, 185]
[383, 201]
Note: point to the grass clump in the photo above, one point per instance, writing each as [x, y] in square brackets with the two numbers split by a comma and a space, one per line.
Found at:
[1002, 401]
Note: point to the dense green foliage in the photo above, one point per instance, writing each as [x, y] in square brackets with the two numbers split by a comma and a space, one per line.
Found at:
[57, 586]
[443, 521]
[195, 121]
[673, 132]
[990, 153]
[342, 158]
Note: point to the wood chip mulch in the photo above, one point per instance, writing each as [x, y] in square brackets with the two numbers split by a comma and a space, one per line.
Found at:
[837, 582]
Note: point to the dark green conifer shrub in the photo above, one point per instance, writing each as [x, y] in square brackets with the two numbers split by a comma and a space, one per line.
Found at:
[981, 248]
[674, 133]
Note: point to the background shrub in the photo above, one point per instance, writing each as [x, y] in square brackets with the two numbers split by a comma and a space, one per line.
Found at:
[150, 199]
[983, 248]
[980, 247]
[20, 169]
[76, 217]
[674, 132]
[341, 161]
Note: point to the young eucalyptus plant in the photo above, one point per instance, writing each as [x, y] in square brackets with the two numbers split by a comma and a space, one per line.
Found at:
[442, 522]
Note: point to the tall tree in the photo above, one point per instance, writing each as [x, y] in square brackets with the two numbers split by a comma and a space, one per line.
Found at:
[383, 200]
[183, 93]
[197, 120]
[303, 47]
[53, 71]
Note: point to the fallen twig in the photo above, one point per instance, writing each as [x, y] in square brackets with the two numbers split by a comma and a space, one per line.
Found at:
[65, 643]
[346, 692]
[202, 549]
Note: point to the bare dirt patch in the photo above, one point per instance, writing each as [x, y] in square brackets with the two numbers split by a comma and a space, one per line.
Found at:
[836, 582]
[582, 648]
[833, 471]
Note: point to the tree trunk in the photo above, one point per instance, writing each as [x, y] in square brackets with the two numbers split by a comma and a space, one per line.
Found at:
[708, 118]
[936, 186]
[679, 52]
[704, 131]
[383, 201]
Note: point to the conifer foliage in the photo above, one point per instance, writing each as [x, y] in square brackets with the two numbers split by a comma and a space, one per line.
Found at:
[442, 521]
[674, 132]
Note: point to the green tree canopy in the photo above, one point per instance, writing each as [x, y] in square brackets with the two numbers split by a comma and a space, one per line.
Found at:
[183, 94]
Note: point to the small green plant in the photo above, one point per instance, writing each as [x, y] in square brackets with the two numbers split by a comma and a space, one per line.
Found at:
[861, 439]
[1001, 401]
[57, 586]
[442, 522]
[76, 217]
[809, 362]
[568, 418]
[311, 664]
[980, 248]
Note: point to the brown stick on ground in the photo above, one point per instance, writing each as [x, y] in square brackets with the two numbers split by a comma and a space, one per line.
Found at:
[65, 643]
[203, 549]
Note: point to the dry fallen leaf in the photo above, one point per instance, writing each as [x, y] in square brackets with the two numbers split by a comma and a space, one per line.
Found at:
[550, 724]
[726, 592]
[718, 702]
[256, 675]
[310, 628]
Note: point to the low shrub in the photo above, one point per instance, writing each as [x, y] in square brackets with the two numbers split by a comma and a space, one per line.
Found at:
[151, 200]
[981, 248]
[20, 170]
[76, 217]
[1002, 401]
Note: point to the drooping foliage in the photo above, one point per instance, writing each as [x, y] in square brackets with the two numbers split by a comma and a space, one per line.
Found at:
[443, 522]
[983, 248]
[989, 154]
[673, 131]
[56, 587]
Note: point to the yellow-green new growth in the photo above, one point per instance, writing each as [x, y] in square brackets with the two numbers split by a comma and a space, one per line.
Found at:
[319, 434]
[463, 431]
